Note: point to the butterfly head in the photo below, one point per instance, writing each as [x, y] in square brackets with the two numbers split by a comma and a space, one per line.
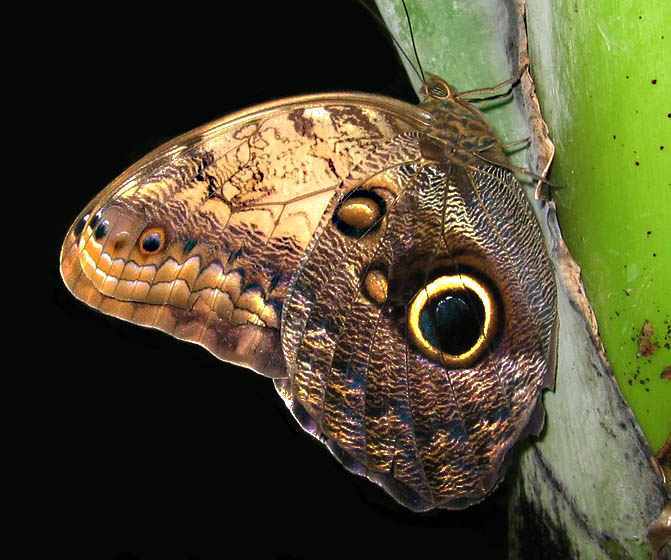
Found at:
[435, 87]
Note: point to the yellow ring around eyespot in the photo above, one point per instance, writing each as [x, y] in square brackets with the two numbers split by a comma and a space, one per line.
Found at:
[446, 284]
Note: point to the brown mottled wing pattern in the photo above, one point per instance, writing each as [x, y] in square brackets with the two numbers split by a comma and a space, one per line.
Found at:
[341, 244]
[431, 435]
[225, 212]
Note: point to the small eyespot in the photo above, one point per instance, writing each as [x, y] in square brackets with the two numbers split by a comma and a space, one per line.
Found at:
[79, 226]
[376, 287]
[151, 241]
[95, 219]
[454, 319]
[101, 230]
[359, 213]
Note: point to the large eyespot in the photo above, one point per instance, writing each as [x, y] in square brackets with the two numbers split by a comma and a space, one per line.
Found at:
[151, 241]
[361, 212]
[454, 319]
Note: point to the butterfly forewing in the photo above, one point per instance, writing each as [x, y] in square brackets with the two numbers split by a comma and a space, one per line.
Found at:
[202, 237]
[378, 259]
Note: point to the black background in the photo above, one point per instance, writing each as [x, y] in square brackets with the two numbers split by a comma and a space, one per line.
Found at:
[151, 445]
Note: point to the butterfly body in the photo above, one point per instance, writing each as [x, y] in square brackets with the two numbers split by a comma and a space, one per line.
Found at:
[376, 258]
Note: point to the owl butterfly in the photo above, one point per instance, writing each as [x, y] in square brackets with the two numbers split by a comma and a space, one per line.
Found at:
[377, 259]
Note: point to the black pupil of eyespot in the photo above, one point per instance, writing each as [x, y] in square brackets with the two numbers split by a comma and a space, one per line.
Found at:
[453, 322]
[101, 230]
[151, 242]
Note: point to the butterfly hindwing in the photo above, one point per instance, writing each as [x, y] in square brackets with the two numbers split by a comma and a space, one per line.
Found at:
[432, 430]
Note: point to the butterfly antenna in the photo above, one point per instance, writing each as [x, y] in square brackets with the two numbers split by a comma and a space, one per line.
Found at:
[382, 24]
[414, 46]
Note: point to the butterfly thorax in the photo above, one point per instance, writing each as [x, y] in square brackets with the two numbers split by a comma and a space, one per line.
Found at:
[464, 134]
